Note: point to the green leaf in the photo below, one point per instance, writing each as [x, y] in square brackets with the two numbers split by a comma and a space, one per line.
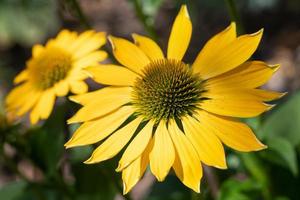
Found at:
[233, 189]
[284, 122]
[282, 152]
[47, 142]
[12, 190]
[93, 182]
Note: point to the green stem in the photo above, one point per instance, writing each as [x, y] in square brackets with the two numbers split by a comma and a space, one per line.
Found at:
[234, 15]
[82, 18]
[115, 183]
[144, 19]
[257, 170]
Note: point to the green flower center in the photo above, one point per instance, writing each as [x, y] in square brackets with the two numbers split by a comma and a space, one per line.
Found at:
[168, 89]
[50, 67]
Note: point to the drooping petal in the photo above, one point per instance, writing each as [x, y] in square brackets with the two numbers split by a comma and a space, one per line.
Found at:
[188, 158]
[26, 101]
[91, 59]
[231, 132]
[266, 95]
[46, 103]
[234, 103]
[78, 87]
[162, 155]
[94, 131]
[128, 54]
[207, 145]
[98, 105]
[61, 88]
[251, 74]
[107, 92]
[132, 173]
[87, 42]
[114, 144]
[232, 55]
[180, 35]
[16, 93]
[148, 46]
[249, 95]
[43, 107]
[22, 76]
[137, 146]
[112, 75]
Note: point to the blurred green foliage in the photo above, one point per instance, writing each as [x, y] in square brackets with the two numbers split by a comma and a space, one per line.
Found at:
[27, 21]
[272, 174]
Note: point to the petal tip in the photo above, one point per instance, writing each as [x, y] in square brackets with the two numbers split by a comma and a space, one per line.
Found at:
[184, 11]
[111, 40]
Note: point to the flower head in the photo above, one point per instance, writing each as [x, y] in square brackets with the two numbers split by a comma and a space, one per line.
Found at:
[171, 114]
[54, 70]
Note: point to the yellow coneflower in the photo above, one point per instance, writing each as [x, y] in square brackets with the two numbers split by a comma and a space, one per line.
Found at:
[54, 70]
[171, 114]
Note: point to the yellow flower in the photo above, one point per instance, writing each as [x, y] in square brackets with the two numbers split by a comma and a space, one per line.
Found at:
[54, 70]
[170, 114]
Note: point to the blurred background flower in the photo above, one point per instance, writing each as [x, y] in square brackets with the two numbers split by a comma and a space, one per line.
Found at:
[33, 162]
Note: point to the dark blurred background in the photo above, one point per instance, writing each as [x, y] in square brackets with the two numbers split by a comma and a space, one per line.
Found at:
[24, 23]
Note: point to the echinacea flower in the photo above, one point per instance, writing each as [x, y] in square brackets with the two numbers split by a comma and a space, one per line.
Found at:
[54, 70]
[169, 114]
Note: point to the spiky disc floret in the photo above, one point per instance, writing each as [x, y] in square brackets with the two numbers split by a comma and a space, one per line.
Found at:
[167, 89]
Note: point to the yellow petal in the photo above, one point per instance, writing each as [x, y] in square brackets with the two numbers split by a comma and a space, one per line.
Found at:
[132, 173]
[27, 101]
[114, 144]
[46, 104]
[137, 146]
[87, 42]
[128, 54]
[249, 95]
[219, 61]
[43, 107]
[94, 131]
[231, 132]
[90, 59]
[65, 38]
[251, 74]
[22, 76]
[234, 103]
[207, 145]
[98, 105]
[37, 50]
[180, 35]
[79, 87]
[216, 43]
[265, 95]
[188, 158]
[163, 154]
[61, 88]
[15, 94]
[107, 92]
[19, 96]
[148, 46]
[112, 75]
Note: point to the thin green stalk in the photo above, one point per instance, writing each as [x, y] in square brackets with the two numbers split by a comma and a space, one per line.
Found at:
[77, 9]
[144, 19]
[257, 170]
[234, 15]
